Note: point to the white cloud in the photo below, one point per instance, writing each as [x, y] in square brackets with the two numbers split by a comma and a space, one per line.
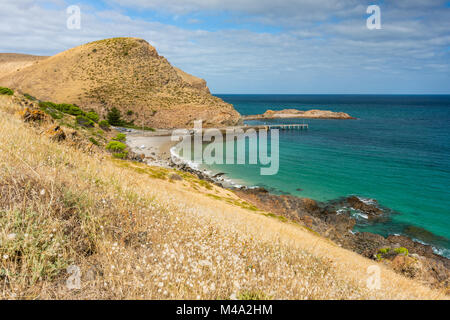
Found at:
[328, 56]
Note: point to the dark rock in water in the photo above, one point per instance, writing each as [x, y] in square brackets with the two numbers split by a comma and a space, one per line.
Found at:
[299, 189]
[218, 174]
[371, 210]
[422, 234]
[255, 191]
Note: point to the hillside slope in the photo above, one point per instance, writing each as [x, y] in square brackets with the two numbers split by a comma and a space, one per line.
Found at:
[12, 62]
[134, 233]
[126, 73]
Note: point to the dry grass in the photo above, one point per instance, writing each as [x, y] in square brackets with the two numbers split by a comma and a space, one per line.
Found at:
[12, 62]
[138, 235]
[126, 73]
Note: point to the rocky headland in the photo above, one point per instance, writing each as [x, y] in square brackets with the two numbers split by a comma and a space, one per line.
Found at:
[124, 73]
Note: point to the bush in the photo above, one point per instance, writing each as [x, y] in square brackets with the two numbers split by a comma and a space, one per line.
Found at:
[104, 125]
[114, 117]
[116, 146]
[84, 121]
[6, 91]
[121, 155]
[252, 295]
[129, 113]
[47, 104]
[71, 109]
[94, 141]
[120, 137]
[93, 116]
[29, 97]
[50, 109]
[55, 114]
[402, 251]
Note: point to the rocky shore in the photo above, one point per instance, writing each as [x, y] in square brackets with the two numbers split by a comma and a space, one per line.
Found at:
[401, 253]
[404, 255]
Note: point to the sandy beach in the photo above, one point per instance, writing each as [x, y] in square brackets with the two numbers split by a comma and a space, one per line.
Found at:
[155, 146]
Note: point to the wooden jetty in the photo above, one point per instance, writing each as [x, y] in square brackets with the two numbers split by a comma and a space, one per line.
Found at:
[266, 127]
[224, 130]
[287, 126]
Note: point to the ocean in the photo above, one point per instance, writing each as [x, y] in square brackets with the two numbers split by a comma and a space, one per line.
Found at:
[396, 152]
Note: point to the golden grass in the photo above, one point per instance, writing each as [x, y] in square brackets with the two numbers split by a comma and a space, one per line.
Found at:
[126, 73]
[136, 235]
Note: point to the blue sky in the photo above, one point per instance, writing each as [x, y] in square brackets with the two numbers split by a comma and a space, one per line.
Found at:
[259, 46]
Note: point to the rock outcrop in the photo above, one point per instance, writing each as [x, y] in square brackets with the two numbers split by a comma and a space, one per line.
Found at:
[294, 113]
[404, 255]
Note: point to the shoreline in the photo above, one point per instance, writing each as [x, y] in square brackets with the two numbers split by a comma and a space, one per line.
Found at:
[327, 218]
[154, 147]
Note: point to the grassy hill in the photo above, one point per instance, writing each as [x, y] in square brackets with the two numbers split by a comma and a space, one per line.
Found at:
[13, 62]
[126, 73]
[134, 232]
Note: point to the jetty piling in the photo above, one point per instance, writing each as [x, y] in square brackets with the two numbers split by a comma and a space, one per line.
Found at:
[287, 126]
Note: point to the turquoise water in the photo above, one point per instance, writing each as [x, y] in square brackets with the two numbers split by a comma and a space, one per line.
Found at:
[397, 152]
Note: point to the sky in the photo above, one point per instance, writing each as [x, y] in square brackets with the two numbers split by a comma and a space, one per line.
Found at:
[259, 46]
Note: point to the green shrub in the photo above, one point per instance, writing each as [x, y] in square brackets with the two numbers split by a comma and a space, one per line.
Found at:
[116, 146]
[29, 97]
[47, 104]
[121, 155]
[84, 121]
[384, 250]
[114, 117]
[71, 109]
[55, 114]
[50, 109]
[104, 125]
[93, 116]
[6, 91]
[129, 113]
[120, 137]
[252, 295]
[401, 250]
[91, 139]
